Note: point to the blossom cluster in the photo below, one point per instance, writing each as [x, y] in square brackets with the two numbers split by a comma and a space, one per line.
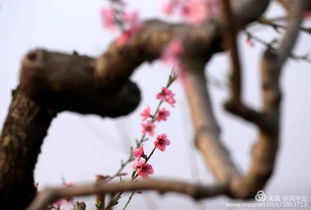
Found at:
[165, 95]
[171, 54]
[193, 11]
[140, 164]
[115, 17]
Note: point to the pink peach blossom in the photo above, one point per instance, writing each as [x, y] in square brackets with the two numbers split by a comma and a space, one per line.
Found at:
[58, 204]
[108, 17]
[164, 94]
[126, 36]
[144, 170]
[213, 8]
[148, 128]
[171, 53]
[195, 11]
[139, 152]
[168, 7]
[132, 23]
[138, 162]
[162, 142]
[131, 18]
[167, 95]
[69, 183]
[162, 114]
[171, 100]
[250, 42]
[145, 113]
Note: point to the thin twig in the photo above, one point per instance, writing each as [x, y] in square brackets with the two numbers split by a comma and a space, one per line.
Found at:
[271, 46]
[170, 81]
[277, 26]
[235, 103]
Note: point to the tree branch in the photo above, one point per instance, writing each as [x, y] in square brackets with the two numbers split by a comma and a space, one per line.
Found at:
[162, 186]
[199, 42]
[206, 127]
[22, 134]
[246, 113]
[231, 42]
[288, 5]
[265, 149]
[235, 103]
[63, 82]
[276, 26]
[36, 102]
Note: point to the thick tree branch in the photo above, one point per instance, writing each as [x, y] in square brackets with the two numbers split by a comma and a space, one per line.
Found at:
[22, 134]
[63, 82]
[288, 5]
[246, 113]
[206, 127]
[231, 43]
[235, 103]
[200, 42]
[265, 150]
[162, 186]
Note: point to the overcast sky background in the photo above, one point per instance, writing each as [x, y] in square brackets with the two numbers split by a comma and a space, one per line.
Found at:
[79, 147]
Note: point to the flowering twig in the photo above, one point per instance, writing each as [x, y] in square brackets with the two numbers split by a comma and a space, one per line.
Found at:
[139, 142]
[277, 26]
[127, 22]
[271, 46]
[135, 175]
[192, 11]
[148, 128]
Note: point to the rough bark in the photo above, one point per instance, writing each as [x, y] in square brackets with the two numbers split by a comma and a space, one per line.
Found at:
[23, 132]
[50, 83]
[65, 82]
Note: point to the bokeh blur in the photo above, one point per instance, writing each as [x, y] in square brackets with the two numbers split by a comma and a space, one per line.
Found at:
[79, 147]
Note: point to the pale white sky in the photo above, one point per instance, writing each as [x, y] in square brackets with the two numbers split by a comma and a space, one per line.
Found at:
[79, 147]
